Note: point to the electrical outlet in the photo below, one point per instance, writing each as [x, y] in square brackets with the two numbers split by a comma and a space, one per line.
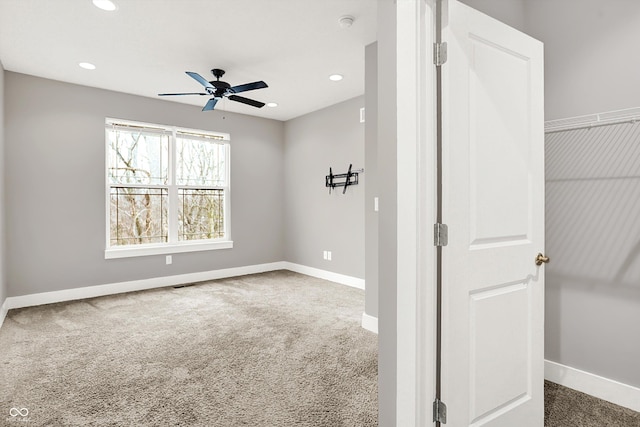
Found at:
[169, 260]
[328, 255]
[375, 204]
[324, 254]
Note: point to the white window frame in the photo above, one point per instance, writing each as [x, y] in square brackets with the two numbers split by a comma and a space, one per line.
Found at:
[173, 245]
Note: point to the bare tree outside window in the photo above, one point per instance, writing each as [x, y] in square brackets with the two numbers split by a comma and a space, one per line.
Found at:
[138, 215]
[156, 173]
[201, 165]
[201, 214]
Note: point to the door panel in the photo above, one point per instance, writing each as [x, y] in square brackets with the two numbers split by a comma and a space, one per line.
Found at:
[493, 203]
[493, 99]
[497, 316]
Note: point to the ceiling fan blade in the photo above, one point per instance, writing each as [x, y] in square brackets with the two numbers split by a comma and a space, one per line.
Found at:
[247, 101]
[200, 79]
[248, 86]
[174, 94]
[210, 104]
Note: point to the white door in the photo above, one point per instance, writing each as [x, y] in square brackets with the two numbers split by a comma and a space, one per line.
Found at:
[493, 204]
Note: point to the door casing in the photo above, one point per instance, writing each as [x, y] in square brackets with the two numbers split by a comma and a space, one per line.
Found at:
[416, 204]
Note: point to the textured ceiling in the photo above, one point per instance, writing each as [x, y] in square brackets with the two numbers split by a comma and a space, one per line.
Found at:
[145, 47]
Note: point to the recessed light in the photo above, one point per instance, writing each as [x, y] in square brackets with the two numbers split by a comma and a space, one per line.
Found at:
[335, 77]
[107, 5]
[87, 65]
[272, 104]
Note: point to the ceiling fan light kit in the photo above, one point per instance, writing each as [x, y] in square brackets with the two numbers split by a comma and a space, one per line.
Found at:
[219, 90]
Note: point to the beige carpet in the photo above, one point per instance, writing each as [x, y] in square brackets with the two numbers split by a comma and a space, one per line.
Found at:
[274, 349]
[564, 407]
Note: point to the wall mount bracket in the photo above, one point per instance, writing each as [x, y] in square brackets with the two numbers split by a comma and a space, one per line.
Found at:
[350, 178]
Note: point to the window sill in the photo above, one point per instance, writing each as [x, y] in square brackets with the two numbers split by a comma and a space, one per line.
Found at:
[146, 250]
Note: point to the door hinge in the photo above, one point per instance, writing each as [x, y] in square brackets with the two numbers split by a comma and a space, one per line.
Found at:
[439, 53]
[439, 412]
[440, 234]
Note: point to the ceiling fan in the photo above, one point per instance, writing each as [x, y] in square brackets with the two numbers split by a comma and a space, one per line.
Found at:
[219, 89]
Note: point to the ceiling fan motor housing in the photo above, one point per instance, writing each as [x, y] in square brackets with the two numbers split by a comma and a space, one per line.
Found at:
[221, 87]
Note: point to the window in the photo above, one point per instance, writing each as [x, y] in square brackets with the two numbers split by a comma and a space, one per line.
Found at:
[167, 189]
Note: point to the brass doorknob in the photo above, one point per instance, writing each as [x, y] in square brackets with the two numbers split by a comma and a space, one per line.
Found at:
[541, 258]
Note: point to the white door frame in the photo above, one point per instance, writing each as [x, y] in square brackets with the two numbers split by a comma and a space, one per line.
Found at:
[416, 213]
[416, 204]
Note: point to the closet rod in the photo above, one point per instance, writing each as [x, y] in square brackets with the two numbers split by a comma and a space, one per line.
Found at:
[595, 124]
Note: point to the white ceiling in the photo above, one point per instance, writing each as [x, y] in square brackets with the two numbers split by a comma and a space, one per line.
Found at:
[145, 47]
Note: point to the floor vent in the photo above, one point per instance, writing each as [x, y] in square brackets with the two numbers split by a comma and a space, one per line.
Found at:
[183, 286]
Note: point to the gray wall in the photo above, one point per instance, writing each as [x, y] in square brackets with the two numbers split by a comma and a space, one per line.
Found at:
[387, 215]
[593, 239]
[55, 203]
[3, 282]
[316, 220]
[590, 54]
[592, 283]
[371, 189]
[590, 65]
[511, 12]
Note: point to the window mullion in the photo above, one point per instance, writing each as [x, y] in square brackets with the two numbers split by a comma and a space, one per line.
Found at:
[173, 189]
[227, 192]
[107, 188]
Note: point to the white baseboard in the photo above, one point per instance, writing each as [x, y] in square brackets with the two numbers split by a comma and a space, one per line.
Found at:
[3, 312]
[135, 285]
[159, 282]
[370, 323]
[326, 275]
[597, 386]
